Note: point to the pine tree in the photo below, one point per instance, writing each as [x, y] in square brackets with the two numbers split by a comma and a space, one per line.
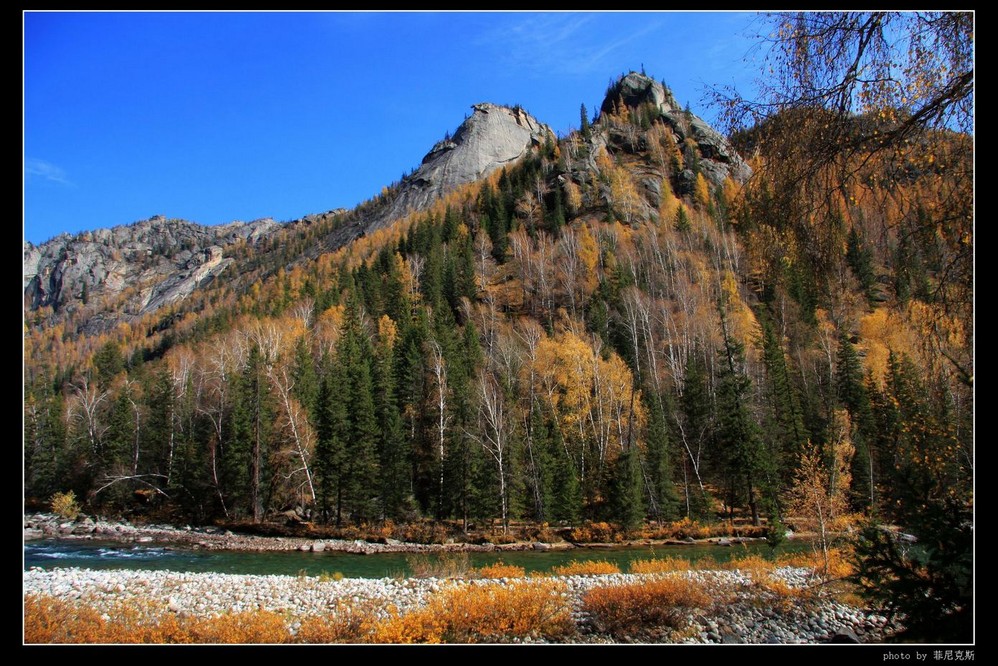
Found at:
[853, 396]
[332, 430]
[860, 261]
[697, 434]
[306, 383]
[745, 462]
[247, 458]
[360, 471]
[661, 490]
[784, 421]
[626, 506]
[392, 451]
[567, 496]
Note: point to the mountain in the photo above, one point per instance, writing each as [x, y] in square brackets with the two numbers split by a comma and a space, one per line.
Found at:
[492, 138]
[622, 324]
[719, 159]
[160, 261]
[149, 264]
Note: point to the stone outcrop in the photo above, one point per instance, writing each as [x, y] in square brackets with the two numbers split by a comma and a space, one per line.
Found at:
[717, 158]
[150, 264]
[492, 137]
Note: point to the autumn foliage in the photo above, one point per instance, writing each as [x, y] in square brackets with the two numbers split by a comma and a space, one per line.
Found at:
[586, 568]
[628, 610]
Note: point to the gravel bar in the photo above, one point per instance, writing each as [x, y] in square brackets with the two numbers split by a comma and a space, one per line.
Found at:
[746, 620]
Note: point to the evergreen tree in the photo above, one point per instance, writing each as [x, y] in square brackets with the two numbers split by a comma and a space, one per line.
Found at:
[538, 467]
[247, 461]
[784, 419]
[392, 450]
[108, 362]
[697, 431]
[682, 222]
[306, 382]
[44, 444]
[661, 490]
[860, 261]
[566, 498]
[360, 479]
[745, 463]
[332, 431]
[852, 394]
[625, 490]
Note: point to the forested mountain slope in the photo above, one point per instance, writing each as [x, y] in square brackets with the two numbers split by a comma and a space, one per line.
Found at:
[627, 323]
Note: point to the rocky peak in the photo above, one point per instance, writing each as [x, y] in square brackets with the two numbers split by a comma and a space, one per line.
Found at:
[636, 89]
[717, 157]
[149, 264]
[492, 137]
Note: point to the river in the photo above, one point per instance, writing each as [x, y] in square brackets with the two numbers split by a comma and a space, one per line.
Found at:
[94, 554]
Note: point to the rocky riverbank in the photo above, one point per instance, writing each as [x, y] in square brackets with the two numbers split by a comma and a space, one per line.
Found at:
[47, 526]
[746, 619]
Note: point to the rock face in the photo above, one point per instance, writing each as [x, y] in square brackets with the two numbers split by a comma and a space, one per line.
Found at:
[717, 158]
[492, 137]
[157, 261]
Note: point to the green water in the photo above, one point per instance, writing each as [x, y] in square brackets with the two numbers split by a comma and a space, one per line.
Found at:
[99, 555]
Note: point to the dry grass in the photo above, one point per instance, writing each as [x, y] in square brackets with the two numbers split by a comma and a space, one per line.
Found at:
[629, 610]
[839, 562]
[347, 623]
[660, 565]
[501, 570]
[483, 614]
[443, 565]
[49, 620]
[582, 568]
[468, 613]
[755, 565]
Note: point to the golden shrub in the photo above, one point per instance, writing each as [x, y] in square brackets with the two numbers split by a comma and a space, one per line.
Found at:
[65, 505]
[591, 568]
[623, 610]
[48, 620]
[660, 565]
[346, 623]
[501, 570]
[596, 533]
[839, 561]
[755, 565]
[483, 614]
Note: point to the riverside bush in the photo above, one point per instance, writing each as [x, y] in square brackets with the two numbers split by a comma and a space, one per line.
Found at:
[596, 533]
[48, 620]
[840, 562]
[501, 570]
[346, 623]
[591, 568]
[483, 614]
[661, 565]
[626, 610]
[65, 505]
[444, 565]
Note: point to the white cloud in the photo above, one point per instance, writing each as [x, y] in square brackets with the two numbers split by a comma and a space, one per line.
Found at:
[562, 43]
[35, 168]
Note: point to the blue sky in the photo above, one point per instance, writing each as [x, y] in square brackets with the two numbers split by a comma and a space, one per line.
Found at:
[214, 117]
